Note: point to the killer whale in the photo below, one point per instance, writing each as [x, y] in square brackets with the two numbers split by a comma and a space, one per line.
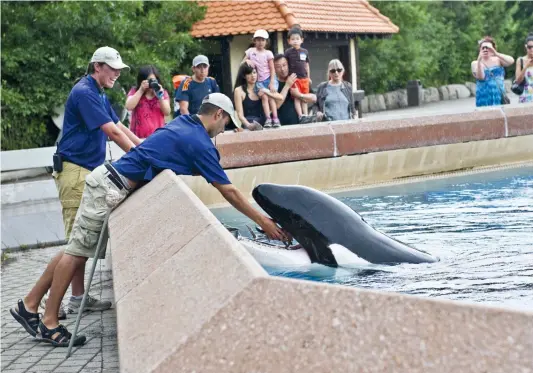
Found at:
[323, 224]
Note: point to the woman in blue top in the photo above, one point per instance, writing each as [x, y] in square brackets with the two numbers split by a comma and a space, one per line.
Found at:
[489, 73]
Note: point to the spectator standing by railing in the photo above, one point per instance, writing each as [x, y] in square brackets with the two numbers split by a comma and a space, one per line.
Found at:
[192, 90]
[524, 71]
[298, 59]
[335, 97]
[263, 60]
[148, 101]
[489, 72]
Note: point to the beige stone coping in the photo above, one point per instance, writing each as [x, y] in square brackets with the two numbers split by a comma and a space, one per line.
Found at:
[190, 298]
[326, 140]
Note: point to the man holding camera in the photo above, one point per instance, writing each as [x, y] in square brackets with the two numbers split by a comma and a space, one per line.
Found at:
[89, 120]
[192, 90]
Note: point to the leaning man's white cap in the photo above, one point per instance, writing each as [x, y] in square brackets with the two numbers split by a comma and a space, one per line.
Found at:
[223, 102]
[109, 56]
[261, 34]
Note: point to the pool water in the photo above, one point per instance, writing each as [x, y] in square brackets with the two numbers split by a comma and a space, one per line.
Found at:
[479, 225]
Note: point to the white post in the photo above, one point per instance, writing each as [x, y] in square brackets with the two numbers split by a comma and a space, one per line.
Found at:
[353, 64]
[279, 38]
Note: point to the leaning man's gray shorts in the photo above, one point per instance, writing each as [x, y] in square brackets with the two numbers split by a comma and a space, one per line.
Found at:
[100, 196]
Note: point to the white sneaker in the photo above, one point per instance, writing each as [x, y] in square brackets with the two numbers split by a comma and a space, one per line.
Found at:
[61, 314]
[92, 304]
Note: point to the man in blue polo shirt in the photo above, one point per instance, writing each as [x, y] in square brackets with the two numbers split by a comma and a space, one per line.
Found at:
[192, 90]
[183, 146]
[88, 121]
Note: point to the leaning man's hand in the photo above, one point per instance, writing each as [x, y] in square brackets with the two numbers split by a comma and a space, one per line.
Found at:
[273, 231]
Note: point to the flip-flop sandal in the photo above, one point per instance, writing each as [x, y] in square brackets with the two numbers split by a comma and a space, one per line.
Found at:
[58, 337]
[29, 320]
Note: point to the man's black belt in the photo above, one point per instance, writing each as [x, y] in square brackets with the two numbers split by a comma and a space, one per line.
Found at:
[115, 177]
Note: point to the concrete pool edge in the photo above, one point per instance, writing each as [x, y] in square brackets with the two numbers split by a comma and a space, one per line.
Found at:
[190, 297]
[348, 172]
[337, 139]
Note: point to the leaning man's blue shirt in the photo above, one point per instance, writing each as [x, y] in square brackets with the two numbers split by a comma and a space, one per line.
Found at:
[86, 110]
[182, 146]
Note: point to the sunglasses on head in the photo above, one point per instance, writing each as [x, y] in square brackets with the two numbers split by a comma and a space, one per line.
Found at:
[333, 71]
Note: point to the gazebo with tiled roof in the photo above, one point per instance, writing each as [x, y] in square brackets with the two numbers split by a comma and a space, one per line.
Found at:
[331, 27]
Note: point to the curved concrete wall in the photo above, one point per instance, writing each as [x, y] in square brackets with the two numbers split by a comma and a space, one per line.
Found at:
[191, 299]
[326, 140]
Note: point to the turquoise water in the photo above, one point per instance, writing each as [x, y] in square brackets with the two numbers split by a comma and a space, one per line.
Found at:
[479, 225]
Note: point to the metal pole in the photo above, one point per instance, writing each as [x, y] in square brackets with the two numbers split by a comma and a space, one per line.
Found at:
[99, 246]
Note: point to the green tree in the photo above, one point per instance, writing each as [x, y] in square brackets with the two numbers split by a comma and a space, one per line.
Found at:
[438, 41]
[46, 46]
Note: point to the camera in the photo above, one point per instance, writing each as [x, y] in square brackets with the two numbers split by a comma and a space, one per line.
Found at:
[154, 84]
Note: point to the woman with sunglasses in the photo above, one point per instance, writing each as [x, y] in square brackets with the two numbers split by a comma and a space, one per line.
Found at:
[489, 72]
[524, 71]
[334, 97]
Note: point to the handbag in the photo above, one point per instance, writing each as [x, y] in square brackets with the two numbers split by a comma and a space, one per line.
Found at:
[518, 89]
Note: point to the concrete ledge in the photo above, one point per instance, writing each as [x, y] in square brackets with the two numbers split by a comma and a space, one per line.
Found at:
[354, 138]
[283, 325]
[519, 120]
[325, 140]
[174, 266]
[371, 168]
[191, 299]
[276, 146]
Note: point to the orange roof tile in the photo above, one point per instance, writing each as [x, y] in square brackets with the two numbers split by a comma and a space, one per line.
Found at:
[232, 17]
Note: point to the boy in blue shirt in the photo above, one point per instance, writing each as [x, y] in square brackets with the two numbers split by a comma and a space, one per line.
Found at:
[192, 90]
[183, 146]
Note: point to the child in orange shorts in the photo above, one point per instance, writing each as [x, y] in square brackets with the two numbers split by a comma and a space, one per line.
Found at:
[298, 59]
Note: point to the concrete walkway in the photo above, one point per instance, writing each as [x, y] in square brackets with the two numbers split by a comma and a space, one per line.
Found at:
[21, 353]
[464, 105]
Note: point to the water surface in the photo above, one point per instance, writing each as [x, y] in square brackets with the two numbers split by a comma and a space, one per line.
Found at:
[479, 225]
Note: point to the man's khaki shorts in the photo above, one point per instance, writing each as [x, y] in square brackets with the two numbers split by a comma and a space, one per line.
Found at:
[70, 183]
[100, 196]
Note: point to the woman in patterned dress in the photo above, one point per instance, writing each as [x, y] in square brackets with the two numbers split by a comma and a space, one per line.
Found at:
[489, 72]
[524, 70]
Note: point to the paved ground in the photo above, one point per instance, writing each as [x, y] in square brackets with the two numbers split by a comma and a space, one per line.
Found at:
[436, 108]
[21, 353]
[44, 218]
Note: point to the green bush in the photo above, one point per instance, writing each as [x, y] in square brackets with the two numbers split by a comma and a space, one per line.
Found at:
[46, 46]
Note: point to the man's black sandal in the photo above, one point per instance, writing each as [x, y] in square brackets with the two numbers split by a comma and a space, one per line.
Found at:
[29, 320]
[58, 337]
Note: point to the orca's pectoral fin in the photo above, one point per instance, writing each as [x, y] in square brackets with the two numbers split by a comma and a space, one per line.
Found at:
[254, 236]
